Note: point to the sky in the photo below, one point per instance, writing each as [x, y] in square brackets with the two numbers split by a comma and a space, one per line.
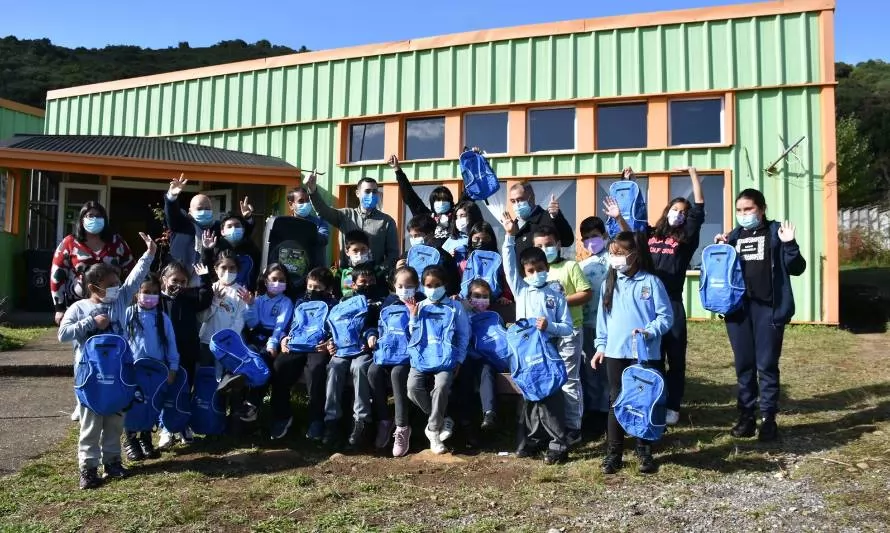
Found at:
[323, 25]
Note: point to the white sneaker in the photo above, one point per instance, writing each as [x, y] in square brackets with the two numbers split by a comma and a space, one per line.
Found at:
[672, 417]
[188, 436]
[75, 414]
[447, 429]
[436, 445]
[167, 440]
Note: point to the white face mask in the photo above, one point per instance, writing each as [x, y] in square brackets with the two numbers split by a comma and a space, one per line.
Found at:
[406, 293]
[415, 241]
[461, 224]
[676, 218]
[111, 294]
[618, 262]
[358, 259]
[228, 278]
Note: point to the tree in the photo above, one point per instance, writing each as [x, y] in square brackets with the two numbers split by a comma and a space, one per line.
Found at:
[855, 179]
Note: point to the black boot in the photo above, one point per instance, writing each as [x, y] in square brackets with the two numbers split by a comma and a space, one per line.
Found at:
[769, 430]
[745, 427]
[613, 462]
[331, 436]
[148, 449]
[357, 437]
[647, 463]
[133, 447]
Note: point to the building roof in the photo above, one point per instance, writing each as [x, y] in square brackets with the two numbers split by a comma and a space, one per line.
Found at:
[22, 108]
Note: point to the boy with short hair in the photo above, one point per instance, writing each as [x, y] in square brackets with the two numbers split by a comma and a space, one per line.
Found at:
[422, 230]
[358, 253]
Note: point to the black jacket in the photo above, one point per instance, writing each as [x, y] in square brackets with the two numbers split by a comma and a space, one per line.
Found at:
[183, 311]
[540, 218]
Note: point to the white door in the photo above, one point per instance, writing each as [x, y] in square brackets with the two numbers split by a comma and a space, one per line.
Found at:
[72, 196]
[221, 201]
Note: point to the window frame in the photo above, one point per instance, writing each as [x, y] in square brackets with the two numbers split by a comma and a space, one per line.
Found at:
[645, 102]
[528, 130]
[351, 125]
[721, 142]
[9, 205]
[404, 136]
[463, 120]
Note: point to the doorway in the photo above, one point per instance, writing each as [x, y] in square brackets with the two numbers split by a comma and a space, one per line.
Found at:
[72, 196]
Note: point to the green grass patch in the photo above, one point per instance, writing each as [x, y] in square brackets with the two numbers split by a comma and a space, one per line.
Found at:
[15, 338]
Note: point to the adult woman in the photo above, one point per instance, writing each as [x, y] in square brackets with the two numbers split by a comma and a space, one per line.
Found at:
[769, 256]
[466, 215]
[441, 206]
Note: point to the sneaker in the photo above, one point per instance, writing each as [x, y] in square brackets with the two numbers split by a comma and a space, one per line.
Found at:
[148, 450]
[89, 478]
[384, 433]
[133, 447]
[280, 427]
[248, 412]
[75, 417]
[188, 436]
[573, 437]
[647, 463]
[745, 427]
[357, 436]
[769, 430]
[230, 383]
[166, 441]
[527, 450]
[330, 436]
[553, 457]
[447, 429]
[115, 470]
[402, 441]
[315, 431]
[672, 417]
[489, 419]
[436, 445]
[612, 462]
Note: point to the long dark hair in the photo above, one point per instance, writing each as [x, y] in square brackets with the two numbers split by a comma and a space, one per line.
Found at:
[637, 244]
[261, 279]
[474, 216]
[80, 234]
[135, 324]
[663, 228]
[483, 227]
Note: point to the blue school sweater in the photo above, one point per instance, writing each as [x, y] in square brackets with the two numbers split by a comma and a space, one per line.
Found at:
[270, 314]
[142, 335]
[639, 301]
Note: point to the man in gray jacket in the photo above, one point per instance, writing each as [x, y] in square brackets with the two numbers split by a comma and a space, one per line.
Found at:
[380, 227]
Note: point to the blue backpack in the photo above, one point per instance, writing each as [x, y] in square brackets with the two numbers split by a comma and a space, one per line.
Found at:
[208, 409]
[307, 330]
[535, 366]
[480, 181]
[430, 348]
[229, 349]
[490, 339]
[177, 410]
[346, 322]
[722, 287]
[392, 343]
[103, 379]
[482, 264]
[421, 256]
[632, 205]
[150, 376]
[641, 406]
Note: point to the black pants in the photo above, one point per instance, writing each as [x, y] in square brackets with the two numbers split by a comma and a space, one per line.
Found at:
[286, 371]
[189, 354]
[614, 368]
[673, 352]
[757, 345]
[543, 423]
[380, 377]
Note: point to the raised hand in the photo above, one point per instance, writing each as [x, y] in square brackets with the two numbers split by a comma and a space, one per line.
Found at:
[509, 224]
[208, 240]
[411, 304]
[401, 263]
[246, 208]
[553, 206]
[689, 169]
[311, 182]
[628, 173]
[610, 207]
[177, 185]
[246, 296]
[786, 231]
[150, 244]
[394, 162]
[201, 269]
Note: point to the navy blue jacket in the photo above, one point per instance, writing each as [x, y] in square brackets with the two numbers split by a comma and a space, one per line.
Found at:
[791, 264]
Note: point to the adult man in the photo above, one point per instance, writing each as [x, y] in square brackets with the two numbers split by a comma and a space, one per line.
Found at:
[530, 217]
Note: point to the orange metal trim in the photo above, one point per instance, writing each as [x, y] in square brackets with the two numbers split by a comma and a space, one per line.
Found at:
[826, 29]
[659, 194]
[657, 122]
[392, 204]
[830, 267]
[516, 130]
[392, 137]
[585, 206]
[453, 136]
[22, 108]
[729, 118]
[584, 127]
[482, 36]
[728, 200]
[342, 150]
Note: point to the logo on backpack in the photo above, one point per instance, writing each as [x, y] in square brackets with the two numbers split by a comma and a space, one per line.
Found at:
[422, 256]
[346, 321]
[480, 181]
[430, 348]
[482, 264]
[392, 344]
[307, 328]
[722, 287]
[632, 205]
[103, 379]
[535, 366]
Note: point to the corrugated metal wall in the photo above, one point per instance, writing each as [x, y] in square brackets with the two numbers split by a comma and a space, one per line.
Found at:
[290, 112]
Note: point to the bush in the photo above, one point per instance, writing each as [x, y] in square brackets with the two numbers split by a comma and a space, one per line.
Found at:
[862, 246]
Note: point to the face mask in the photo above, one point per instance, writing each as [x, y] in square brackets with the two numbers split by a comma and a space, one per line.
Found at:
[479, 304]
[478, 245]
[441, 207]
[443, 221]
[594, 245]
[434, 294]
[748, 221]
[406, 293]
[364, 289]
[275, 287]
[148, 301]
[523, 209]
[358, 259]
[94, 225]
[315, 294]
[676, 218]
[228, 278]
[552, 253]
[537, 280]
[461, 224]
[618, 262]
[233, 235]
[111, 294]
[303, 210]
[415, 241]
[369, 200]
[203, 217]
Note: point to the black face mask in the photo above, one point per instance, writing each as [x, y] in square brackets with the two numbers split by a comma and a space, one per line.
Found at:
[315, 295]
[481, 246]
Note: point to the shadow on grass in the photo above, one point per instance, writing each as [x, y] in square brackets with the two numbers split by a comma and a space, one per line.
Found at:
[865, 299]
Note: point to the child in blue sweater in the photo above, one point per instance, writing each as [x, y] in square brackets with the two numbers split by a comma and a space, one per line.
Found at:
[150, 335]
[545, 305]
[632, 301]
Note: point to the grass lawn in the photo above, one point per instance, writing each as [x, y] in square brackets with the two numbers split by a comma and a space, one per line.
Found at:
[831, 471]
[15, 338]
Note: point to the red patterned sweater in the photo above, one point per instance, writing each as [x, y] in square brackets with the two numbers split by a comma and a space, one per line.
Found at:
[73, 258]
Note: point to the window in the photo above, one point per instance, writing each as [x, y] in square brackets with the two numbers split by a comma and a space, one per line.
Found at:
[602, 191]
[488, 131]
[621, 126]
[7, 198]
[551, 129]
[366, 142]
[712, 188]
[425, 138]
[696, 121]
[423, 191]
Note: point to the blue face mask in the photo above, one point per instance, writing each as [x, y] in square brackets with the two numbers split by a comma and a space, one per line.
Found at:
[303, 210]
[748, 221]
[523, 209]
[537, 280]
[233, 235]
[441, 207]
[434, 294]
[552, 253]
[369, 200]
[414, 241]
[94, 225]
[203, 216]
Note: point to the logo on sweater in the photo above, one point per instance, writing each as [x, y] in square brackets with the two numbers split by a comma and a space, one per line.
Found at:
[645, 292]
[551, 302]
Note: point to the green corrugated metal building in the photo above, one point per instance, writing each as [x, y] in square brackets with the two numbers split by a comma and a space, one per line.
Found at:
[565, 105]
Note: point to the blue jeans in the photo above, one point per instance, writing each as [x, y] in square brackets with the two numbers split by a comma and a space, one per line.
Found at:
[570, 350]
[338, 369]
[594, 383]
[757, 345]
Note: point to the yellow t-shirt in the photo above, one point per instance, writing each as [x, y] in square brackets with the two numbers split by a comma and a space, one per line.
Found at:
[573, 280]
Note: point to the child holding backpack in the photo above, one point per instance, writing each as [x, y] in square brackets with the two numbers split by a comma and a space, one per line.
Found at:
[421, 236]
[391, 363]
[103, 312]
[632, 301]
[304, 349]
[594, 262]
[440, 333]
[150, 335]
